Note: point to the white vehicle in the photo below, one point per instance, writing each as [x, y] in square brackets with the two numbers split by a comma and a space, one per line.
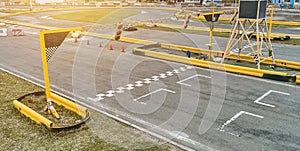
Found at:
[3, 32]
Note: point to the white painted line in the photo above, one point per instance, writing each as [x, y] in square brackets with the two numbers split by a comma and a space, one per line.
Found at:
[99, 97]
[155, 78]
[176, 71]
[162, 75]
[227, 73]
[110, 93]
[94, 99]
[139, 83]
[130, 86]
[266, 94]
[102, 108]
[236, 135]
[234, 118]
[189, 67]
[169, 73]
[161, 89]
[196, 75]
[147, 80]
[182, 69]
[120, 90]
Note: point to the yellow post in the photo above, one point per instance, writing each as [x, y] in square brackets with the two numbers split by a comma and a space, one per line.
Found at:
[211, 31]
[49, 105]
[271, 20]
[210, 40]
[45, 64]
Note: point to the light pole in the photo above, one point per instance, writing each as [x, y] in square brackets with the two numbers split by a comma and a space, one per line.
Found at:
[211, 17]
[30, 5]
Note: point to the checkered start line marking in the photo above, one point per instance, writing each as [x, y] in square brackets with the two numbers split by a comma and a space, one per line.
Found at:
[119, 90]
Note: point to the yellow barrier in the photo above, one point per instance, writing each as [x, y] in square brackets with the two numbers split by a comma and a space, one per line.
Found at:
[191, 49]
[298, 79]
[281, 63]
[32, 114]
[80, 110]
[207, 64]
[137, 41]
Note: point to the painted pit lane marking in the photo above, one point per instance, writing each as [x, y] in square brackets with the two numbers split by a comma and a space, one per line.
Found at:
[148, 94]
[196, 75]
[119, 90]
[234, 118]
[266, 94]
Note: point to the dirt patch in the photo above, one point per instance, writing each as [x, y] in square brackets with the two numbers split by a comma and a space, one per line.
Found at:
[37, 102]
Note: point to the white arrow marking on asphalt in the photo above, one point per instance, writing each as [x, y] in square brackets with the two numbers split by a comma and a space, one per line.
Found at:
[161, 89]
[234, 118]
[196, 75]
[266, 94]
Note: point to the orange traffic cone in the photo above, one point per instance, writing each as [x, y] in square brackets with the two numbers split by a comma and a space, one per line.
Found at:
[100, 44]
[76, 40]
[88, 42]
[123, 49]
[110, 47]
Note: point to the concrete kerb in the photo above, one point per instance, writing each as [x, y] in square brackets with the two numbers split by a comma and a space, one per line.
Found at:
[280, 76]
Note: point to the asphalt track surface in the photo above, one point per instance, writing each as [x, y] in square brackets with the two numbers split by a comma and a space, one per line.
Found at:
[199, 108]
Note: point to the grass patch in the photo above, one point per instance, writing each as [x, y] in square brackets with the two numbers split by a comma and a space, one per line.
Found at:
[100, 16]
[20, 133]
